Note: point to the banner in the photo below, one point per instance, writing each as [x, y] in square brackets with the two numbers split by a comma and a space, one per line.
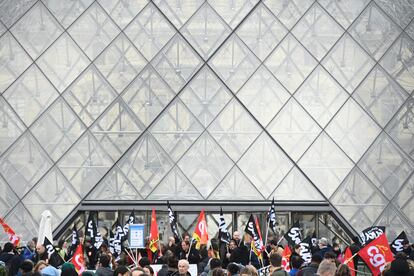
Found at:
[50, 249]
[14, 239]
[78, 260]
[286, 258]
[293, 235]
[173, 222]
[224, 235]
[154, 236]
[305, 251]
[251, 229]
[348, 260]
[136, 236]
[93, 233]
[131, 220]
[371, 233]
[397, 244]
[200, 235]
[271, 217]
[376, 254]
[118, 237]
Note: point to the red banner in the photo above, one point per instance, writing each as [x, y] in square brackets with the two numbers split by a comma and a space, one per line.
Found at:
[200, 234]
[14, 239]
[154, 236]
[349, 261]
[286, 258]
[78, 259]
[376, 254]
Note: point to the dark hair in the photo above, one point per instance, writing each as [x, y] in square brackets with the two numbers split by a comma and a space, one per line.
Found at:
[121, 270]
[297, 246]
[144, 261]
[172, 262]
[295, 261]
[215, 263]
[273, 242]
[60, 243]
[105, 260]
[316, 258]
[150, 269]
[218, 272]
[275, 259]
[8, 247]
[329, 255]
[26, 266]
[186, 242]
[233, 268]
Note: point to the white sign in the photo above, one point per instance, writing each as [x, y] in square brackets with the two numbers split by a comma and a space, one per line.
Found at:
[136, 236]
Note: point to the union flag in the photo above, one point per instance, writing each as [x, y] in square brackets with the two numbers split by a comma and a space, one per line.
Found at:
[200, 235]
[78, 259]
[14, 239]
[154, 236]
[349, 260]
[376, 254]
[285, 258]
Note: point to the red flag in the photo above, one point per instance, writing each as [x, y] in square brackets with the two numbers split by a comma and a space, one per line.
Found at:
[14, 239]
[376, 254]
[286, 258]
[262, 247]
[349, 260]
[154, 237]
[200, 234]
[78, 259]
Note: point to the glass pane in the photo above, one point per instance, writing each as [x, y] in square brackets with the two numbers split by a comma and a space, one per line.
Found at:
[22, 223]
[410, 30]
[344, 12]
[404, 200]
[394, 222]
[233, 11]
[10, 11]
[401, 11]
[258, 164]
[8, 198]
[10, 126]
[122, 11]
[67, 11]
[178, 12]
[288, 12]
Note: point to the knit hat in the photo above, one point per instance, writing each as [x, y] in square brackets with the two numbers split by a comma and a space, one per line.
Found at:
[50, 271]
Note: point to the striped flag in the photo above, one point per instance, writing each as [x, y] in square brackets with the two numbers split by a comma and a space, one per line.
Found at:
[224, 235]
[173, 222]
[271, 216]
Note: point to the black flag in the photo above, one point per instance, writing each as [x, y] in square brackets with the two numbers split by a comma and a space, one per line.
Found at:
[371, 233]
[397, 244]
[173, 222]
[55, 259]
[75, 240]
[111, 242]
[224, 235]
[118, 237]
[305, 251]
[271, 217]
[251, 229]
[293, 235]
[93, 232]
[50, 249]
[131, 220]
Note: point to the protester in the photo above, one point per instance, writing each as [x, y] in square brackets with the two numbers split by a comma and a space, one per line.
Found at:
[148, 270]
[323, 247]
[68, 269]
[137, 271]
[343, 270]
[276, 265]
[40, 265]
[233, 269]
[122, 271]
[218, 272]
[183, 266]
[295, 263]
[399, 266]
[50, 271]
[104, 268]
[10, 258]
[312, 268]
[326, 268]
[192, 255]
[26, 268]
[296, 253]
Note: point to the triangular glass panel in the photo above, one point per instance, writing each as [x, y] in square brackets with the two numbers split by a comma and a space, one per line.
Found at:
[85, 163]
[374, 30]
[117, 129]
[8, 199]
[53, 193]
[348, 63]
[205, 95]
[176, 129]
[24, 163]
[89, 95]
[321, 95]
[150, 31]
[63, 62]
[14, 60]
[401, 11]
[317, 31]
[234, 129]
[233, 11]
[261, 31]
[57, 129]
[258, 164]
[10, 126]
[295, 186]
[397, 62]
[380, 95]
[31, 94]
[234, 63]
[325, 164]
[263, 95]
[176, 62]
[67, 11]
[114, 186]
[120, 63]
[11, 11]
[147, 95]
[404, 200]
[358, 200]
[288, 12]
[291, 63]
[36, 30]
[237, 187]
[122, 11]
[401, 127]
[386, 165]
[175, 186]
[293, 129]
[394, 222]
[178, 12]
[22, 222]
[205, 164]
[205, 30]
[93, 30]
[3, 29]
[145, 164]
[344, 12]
[410, 30]
[353, 130]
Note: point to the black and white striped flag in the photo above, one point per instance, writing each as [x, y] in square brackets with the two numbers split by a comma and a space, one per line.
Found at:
[131, 220]
[271, 217]
[224, 235]
[173, 222]
[118, 237]
[93, 232]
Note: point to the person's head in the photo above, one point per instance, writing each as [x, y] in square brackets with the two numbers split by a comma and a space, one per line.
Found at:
[40, 249]
[355, 239]
[185, 245]
[137, 271]
[326, 268]
[144, 262]
[275, 259]
[236, 235]
[183, 267]
[253, 270]
[68, 269]
[122, 271]
[399, 266]
[245, 272]
[297, 248]
[26, 266]
[330, 256]
[316, 259]
[171, 240]
[322, 243]
[31, 245]
[233, 269]
[186, 237]
[104, 260]
[273, 244]
[40, 266]
[405, 244]
[215, 263]
[8, 247]
[218, 272]
[148, 270]
[295, 261]
[343, 270]
[50, 271]
[232, 244]
[172, 262]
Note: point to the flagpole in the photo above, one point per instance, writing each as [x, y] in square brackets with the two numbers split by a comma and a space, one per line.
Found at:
[267, 232]
[349, 259]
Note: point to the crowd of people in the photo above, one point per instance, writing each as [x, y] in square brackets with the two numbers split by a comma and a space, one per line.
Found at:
[175, 257]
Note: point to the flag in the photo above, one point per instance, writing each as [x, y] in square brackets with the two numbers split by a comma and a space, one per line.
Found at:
[305, 251]
[224, 235]
[286, 258]
[93, 232]
[271, 217]
[376, 254]
[111, 242]
[371, 233]
[293, 235]
[50, 249]
[262, 247]
[348, 260]
[75, 240]
[200, 235]
[154, 237]
[131, 220]
[117, 238]
[78, 260]
[397, 244]
[173, 222]
[14, 239]
[251, 229]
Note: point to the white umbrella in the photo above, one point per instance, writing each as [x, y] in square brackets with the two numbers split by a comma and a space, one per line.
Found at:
[45, 228]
